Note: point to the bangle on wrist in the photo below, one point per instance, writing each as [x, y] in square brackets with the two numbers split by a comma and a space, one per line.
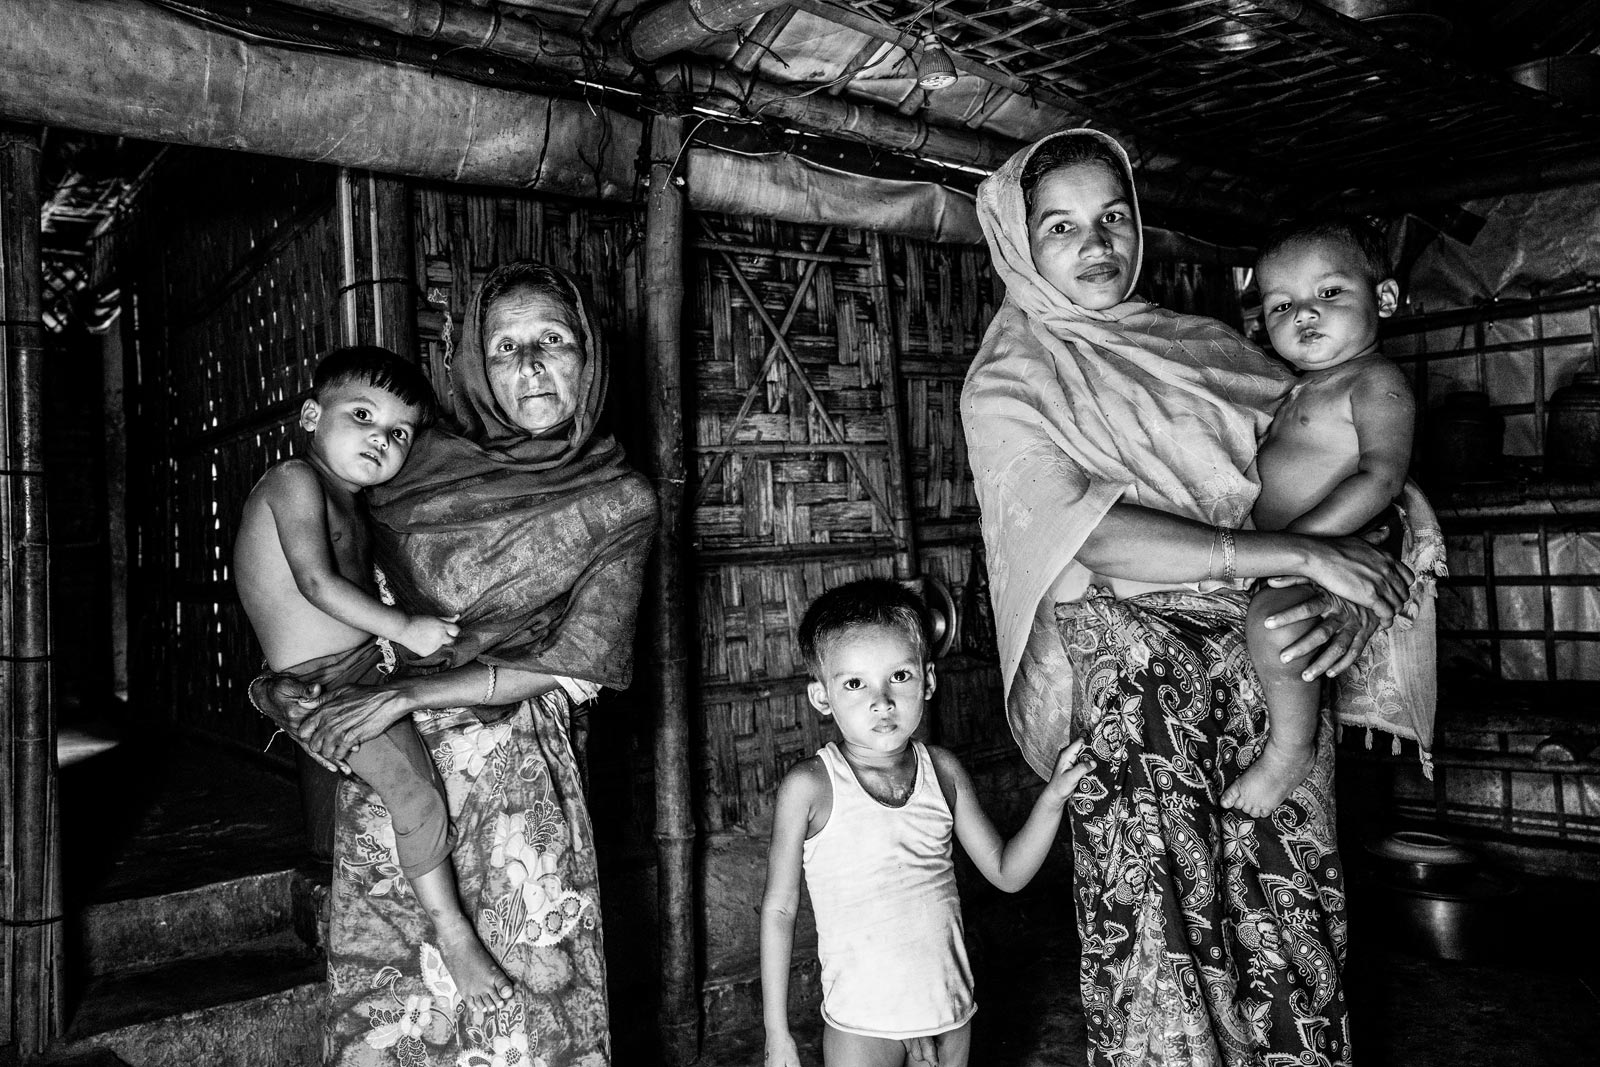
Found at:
[1229, 559]
[250, 692]
[488, 690]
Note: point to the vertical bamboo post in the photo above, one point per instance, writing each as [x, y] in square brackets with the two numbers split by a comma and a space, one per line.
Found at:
[678, 1019]
[33, 898]
[894, 419]
[393, 263]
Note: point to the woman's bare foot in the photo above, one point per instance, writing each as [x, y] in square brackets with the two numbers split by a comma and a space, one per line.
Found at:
[478, 978]
[1271, 778]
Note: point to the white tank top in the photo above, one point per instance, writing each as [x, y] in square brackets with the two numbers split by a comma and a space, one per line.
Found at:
[883, 885]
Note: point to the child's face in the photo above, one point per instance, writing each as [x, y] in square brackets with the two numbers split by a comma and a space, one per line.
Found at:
[874, 684]
[1082, 234]
[360, 433]
[1320, 308]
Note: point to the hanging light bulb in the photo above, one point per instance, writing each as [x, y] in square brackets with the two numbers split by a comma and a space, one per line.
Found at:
[934, 69]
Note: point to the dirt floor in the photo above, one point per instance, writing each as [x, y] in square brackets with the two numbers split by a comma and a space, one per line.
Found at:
[1527, 1004]
[170, 820]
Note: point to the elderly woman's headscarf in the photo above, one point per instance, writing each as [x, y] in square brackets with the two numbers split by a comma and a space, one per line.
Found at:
[1068, 411]
[538, 543]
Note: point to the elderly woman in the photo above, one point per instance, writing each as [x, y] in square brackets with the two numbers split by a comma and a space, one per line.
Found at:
[1112, 443]
[521, 518]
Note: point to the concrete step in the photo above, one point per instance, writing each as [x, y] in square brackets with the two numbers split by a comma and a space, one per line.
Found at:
[257, 1004]
[139, 933]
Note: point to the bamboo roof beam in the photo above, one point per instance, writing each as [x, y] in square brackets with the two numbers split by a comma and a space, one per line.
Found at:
[141, 71]
[679, 25]
[457, 25]
[821, 113]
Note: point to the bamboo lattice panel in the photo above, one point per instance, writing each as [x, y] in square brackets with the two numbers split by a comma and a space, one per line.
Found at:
[1286, 93]
[233, 301]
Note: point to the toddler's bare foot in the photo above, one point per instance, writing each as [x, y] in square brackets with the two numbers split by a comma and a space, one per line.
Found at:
[1271, 778]
[478, 978]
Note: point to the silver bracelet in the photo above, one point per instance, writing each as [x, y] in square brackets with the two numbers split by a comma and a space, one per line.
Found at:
[1229, 570]
[1211, 556]
[488, 690]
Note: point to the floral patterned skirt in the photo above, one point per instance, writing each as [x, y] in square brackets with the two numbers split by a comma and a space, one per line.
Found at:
[525, 862]
[1209, 938]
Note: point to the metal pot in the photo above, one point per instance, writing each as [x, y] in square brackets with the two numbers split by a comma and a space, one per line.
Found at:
[1468, 923]
[1419, 860]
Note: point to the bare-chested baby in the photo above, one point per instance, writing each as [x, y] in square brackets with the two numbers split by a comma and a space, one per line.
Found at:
[303, 565]
[1334, 458]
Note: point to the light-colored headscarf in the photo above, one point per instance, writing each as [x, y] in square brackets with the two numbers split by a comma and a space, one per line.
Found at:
[1068, 411]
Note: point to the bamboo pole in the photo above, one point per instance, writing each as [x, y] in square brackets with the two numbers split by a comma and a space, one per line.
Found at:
[33, 907]
[894, 416]
[678, 1014]
[679, 25]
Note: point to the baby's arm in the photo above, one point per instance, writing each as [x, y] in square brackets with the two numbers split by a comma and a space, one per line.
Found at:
[294, 496]
[1012, 864]
[1384, 413]
[798, 797]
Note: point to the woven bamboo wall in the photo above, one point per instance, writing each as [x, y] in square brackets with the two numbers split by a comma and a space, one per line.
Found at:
[783, 513]
[233, 276]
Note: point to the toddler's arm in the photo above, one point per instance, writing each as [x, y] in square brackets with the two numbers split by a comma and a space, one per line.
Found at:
[299, 513]
[802, 787]
[1384, 413]
[1012, 864]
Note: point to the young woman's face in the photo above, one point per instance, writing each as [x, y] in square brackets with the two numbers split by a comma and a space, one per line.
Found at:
[1082, 234]
[533, 345]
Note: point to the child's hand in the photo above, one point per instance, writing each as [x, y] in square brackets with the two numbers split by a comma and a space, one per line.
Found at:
[782, 1051]
[425, 635]
[1071, 766]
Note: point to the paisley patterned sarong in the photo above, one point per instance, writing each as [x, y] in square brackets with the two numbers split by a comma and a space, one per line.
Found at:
[526, 866]
[1209, 938]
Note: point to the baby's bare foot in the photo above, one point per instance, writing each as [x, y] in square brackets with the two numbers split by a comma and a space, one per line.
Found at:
[478, 978]
[1271, 778]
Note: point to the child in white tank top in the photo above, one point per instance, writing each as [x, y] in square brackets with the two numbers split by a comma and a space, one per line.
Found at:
[870, 820]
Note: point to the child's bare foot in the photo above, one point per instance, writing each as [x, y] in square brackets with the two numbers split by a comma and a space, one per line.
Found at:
[478, 978]
[1271, 778]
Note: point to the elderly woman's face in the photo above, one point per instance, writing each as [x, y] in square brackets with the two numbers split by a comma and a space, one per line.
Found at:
[1082, 235]
[533, 343]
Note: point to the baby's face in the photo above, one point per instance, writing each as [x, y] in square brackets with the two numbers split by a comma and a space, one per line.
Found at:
[360, 433]
[1321, 309]
[875, 684]
[1082, 235]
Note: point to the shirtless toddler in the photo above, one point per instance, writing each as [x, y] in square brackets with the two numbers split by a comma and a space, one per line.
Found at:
[1334, 458]
[303, 566]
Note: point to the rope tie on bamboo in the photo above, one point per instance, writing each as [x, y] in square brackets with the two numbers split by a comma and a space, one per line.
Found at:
[17, 472]
[30, 924]
[694, 13]
[8, 658]
[494, 28]
[22, 323]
